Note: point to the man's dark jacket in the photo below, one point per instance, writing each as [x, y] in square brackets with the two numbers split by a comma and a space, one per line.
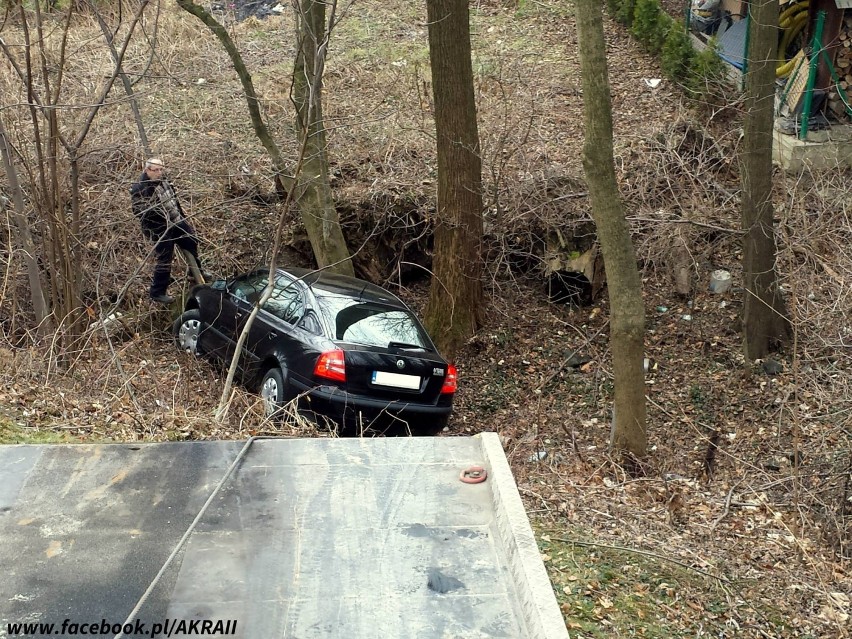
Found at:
[149, 210]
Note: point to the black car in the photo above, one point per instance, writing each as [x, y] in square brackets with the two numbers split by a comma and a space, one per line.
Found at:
[349, 349]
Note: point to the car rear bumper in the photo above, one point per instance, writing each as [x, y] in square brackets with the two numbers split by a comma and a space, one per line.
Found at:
[343, 406]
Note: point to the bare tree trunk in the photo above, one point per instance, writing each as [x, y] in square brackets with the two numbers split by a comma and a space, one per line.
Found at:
[23, 236]
[314, 194]
[306, 119]
[314, 198]
[65, 299]
[42, 203]
[109, 37]
[624, 285]
[72, 269]
[252, 100]
[765, 322]
[455, 311]
[54, 176]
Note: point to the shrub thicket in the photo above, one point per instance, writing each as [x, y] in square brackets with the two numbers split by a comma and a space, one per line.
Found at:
[708, 72]
[650, 24]
[622, 11]
[678, 55]
[699, 72]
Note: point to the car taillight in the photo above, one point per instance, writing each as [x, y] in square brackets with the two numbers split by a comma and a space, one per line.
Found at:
[451, 381]
[331, 365]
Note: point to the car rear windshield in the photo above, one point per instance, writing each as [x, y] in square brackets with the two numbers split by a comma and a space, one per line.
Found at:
[372, 324]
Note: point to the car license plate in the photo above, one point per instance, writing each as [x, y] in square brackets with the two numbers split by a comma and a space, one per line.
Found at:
[382, 378]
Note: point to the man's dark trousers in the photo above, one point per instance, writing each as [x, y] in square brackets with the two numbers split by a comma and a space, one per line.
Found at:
[181, 234]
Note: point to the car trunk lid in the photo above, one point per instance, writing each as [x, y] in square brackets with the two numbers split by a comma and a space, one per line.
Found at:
[396, 373]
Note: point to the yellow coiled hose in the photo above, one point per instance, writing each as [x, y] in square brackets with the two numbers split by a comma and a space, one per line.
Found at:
[793, 19]
[787, 14]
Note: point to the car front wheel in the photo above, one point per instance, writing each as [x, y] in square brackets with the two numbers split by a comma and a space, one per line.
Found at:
[273, 391]
[188, 329]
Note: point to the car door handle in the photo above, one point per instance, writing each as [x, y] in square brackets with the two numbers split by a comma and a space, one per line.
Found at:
[272, 335]
[239, 315]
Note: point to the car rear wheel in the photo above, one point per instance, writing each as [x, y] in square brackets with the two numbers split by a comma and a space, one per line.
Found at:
[273, 391]
[188, 329]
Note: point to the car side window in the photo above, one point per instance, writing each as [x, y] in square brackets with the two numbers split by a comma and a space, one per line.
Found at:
[286, 303]
[310, 323]
[248, 288]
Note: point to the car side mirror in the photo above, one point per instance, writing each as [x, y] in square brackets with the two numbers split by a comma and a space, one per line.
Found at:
[219, 285]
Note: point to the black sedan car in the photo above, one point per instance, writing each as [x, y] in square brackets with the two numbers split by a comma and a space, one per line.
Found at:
[346, 348]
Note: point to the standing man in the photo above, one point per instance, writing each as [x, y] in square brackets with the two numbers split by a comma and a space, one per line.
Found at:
[156, 205]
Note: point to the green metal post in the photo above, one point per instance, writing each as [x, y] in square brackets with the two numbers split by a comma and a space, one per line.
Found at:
[816, 47]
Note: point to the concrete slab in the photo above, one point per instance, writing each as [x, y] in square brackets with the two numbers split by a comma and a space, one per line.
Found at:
[825, 149]
[295, 538]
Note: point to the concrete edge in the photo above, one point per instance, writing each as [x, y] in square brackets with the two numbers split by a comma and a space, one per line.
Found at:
[538, 602]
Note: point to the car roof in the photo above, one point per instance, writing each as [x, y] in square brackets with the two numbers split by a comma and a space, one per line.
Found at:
[327, 282]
